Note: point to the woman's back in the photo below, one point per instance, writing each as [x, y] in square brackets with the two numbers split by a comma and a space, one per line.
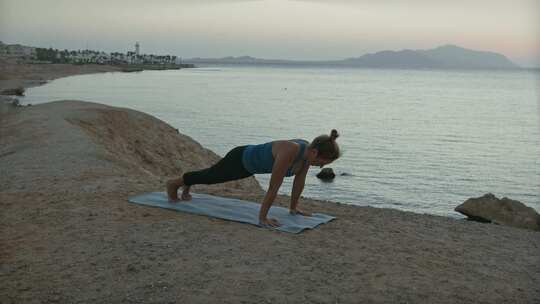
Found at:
[259, 159]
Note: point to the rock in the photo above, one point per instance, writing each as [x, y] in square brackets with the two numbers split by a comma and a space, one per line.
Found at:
[489, 208]
[19, 91]
[326, 174]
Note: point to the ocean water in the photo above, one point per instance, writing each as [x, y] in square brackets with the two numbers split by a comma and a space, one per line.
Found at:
[414, 140]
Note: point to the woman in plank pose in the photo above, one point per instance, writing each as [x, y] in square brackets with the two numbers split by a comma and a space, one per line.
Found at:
[280, 158]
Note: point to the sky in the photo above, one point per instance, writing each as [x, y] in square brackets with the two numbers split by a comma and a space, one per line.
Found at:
[276, 29]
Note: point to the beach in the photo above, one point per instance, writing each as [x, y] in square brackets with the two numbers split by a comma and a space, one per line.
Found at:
[69, 234]
[13, 75]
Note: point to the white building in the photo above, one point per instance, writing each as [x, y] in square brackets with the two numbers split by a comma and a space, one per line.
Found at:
[17, 51]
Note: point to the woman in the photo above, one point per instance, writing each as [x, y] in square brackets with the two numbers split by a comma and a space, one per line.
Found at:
[281, 158]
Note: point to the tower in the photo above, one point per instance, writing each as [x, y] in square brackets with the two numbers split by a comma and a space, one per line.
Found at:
[137, 45]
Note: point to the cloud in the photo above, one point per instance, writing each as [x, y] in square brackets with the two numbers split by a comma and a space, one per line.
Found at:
[486, 5]
[162, 3]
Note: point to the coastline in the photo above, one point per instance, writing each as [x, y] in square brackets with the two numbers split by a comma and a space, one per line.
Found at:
[31, 75]
[69, 234]
[25, 75]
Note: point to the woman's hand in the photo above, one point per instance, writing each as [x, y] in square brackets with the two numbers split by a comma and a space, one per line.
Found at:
[269, 222]
[298, 211]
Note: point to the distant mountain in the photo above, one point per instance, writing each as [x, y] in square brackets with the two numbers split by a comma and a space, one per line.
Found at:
[443, 57]
[457, 57]
[447, 56]
[392, 59]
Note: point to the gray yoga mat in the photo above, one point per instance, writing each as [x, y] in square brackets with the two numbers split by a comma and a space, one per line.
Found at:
[233, 210]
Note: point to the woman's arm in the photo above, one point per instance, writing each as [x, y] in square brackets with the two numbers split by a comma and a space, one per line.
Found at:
[282, 161]
[298, 187]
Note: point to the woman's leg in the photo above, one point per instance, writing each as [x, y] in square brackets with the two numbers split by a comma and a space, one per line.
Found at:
[227, 169]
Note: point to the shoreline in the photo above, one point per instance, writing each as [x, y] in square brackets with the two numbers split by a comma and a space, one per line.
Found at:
[67, 70]
[32, 75]
[26, 75]
[69, 234]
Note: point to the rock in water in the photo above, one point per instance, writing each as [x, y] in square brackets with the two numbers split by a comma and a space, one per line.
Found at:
[489, 208]
[326, 174]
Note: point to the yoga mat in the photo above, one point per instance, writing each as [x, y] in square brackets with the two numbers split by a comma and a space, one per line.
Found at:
[233, 210]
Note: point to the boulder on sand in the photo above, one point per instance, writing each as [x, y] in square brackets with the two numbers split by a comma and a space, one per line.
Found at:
[505, 211]
[18, 91]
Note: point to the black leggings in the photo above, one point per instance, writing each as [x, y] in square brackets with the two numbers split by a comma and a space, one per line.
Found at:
[227, 169]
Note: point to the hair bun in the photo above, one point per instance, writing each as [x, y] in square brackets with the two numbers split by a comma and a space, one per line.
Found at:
[334, 134]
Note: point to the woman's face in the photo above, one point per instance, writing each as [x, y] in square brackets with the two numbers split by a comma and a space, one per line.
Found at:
[315, 160]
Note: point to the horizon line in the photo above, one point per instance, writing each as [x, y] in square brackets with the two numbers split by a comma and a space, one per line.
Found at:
[520, 66]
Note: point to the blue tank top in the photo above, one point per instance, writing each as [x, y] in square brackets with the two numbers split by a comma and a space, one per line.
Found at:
[258, 159]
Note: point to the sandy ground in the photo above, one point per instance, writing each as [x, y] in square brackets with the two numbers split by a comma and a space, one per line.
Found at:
[69, 235]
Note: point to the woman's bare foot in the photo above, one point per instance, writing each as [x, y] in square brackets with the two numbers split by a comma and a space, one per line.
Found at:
[185, 193]
[172, 189]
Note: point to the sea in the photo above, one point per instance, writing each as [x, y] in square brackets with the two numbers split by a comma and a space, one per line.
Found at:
[415, 140]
